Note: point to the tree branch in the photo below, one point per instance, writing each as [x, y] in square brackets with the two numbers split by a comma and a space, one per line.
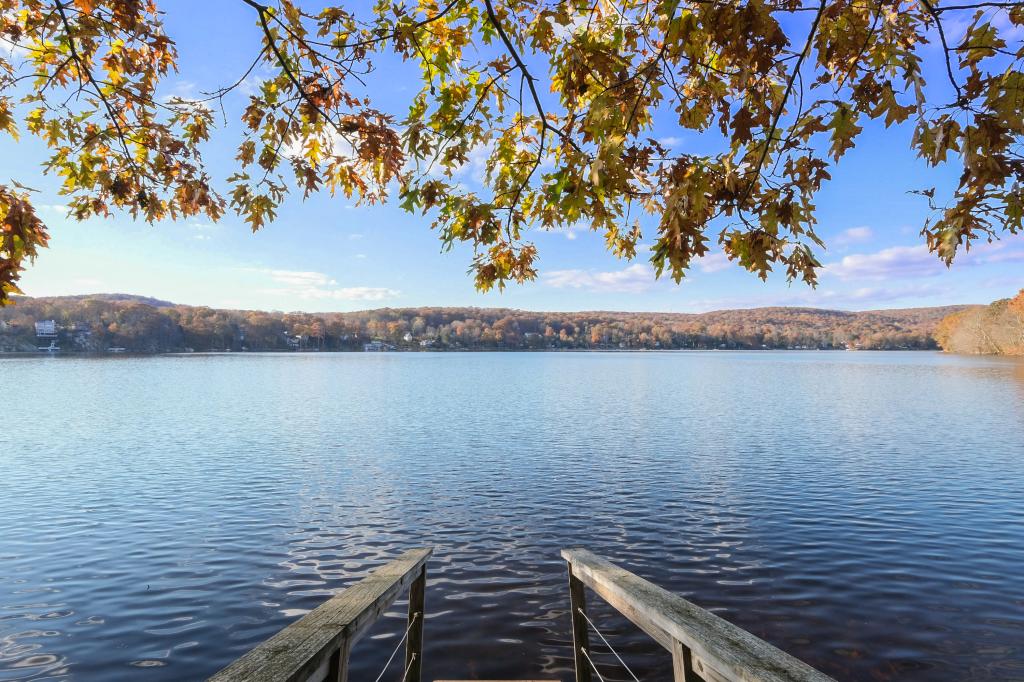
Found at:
[84, 70]
[263, 11]
[782, 105]
[942, 37]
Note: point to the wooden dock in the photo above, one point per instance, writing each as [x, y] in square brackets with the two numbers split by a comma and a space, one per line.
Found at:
[704, 647]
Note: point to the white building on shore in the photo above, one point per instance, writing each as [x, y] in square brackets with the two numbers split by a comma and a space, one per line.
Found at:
[46, 329]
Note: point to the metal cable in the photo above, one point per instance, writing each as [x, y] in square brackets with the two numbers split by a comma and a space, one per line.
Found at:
[608, 644]
[412, 621]
[594, 667]
[408, 667]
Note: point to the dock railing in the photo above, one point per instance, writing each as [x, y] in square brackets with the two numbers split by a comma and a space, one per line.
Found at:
[704, 647]
[316, 647]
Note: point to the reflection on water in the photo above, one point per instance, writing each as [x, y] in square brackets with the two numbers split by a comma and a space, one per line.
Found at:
[1018, 370]
[160, 516]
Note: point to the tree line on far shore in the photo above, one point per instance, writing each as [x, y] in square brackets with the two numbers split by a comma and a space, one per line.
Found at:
[997, 329]
[101, 322]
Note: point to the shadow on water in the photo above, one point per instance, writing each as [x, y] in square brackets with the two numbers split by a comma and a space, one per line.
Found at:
[863, 511]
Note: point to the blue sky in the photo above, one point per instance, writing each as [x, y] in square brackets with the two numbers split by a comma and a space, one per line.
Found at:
[327, 254]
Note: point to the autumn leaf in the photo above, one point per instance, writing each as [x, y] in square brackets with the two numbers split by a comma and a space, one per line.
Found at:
[560, 104]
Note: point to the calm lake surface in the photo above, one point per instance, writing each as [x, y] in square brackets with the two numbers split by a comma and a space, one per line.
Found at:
[863, 511]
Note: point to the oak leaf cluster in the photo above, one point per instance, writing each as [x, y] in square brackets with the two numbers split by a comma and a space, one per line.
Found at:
[561, 100]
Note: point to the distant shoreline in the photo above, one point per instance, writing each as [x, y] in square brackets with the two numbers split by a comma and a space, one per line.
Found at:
[126, 324]
[440, 351]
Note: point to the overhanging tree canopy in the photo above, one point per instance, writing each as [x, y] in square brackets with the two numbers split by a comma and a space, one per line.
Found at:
[559, 96]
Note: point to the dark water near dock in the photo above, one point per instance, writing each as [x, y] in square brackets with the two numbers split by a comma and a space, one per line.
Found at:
[862, 511]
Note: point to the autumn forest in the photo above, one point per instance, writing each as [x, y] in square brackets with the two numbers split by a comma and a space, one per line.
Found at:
[136, 324]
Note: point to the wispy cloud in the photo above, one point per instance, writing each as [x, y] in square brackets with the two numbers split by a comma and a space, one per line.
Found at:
[900, 262]
[854, 235]
[875, 295]
[860, 298]
[312, 285]
[355, 293]
[12, 49]
[300, 278]
[337, 145]
[713, 262]
[895, 261]
[633, 279]
[1009, 250]
[55, 208]
[473, 169]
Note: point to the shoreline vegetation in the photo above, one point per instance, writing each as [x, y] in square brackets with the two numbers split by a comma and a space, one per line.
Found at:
[121, 323]
[996, 329]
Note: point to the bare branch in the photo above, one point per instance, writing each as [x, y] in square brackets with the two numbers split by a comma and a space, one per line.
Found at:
[942, 37]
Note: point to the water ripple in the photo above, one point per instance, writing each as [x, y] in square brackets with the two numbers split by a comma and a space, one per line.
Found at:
[160, 516]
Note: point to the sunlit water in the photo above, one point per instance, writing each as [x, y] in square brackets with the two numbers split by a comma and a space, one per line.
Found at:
[863, 511]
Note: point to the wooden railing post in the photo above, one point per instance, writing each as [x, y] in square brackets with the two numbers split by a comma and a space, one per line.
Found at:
[580, 633]
[316, 647]
[703, 646]
[337, 669]
[414, 644]
[682, 663]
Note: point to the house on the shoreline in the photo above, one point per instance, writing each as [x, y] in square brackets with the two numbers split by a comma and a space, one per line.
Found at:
[377, 346]
[46, 329]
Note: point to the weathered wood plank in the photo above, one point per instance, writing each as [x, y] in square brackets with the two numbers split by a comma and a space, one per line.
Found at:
[417, 614]
[720, 651]
[580, 631]
[299, 650]
[682, 664]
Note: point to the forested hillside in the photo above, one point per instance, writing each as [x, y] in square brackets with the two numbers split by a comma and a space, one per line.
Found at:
[99, 323]
[997, 329]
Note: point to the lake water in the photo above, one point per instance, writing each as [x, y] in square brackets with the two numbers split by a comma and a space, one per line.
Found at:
[863, 511]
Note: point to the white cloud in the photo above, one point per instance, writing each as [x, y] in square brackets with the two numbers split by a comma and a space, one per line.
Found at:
[916, 261]
[55, 208]
[1007, 250]
[183, 88]
[337, 145]
[183, 93]
[312, 285]
[670, 142]
[860, 298]
[355, 293]
[563, 32]
[13, 50]
[633, 279]
[895, 261]
[854, 235]
[202, 231]
[299, 278]
[475, 167]
[713, 262]
[874, 295]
